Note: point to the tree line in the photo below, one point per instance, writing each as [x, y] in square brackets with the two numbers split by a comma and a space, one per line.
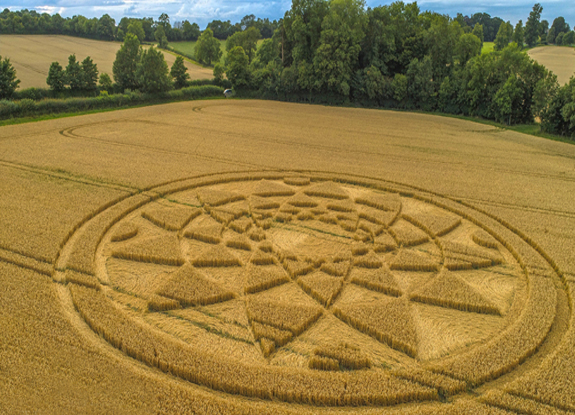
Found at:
[394, 56]
[339, 51]
[105, 28]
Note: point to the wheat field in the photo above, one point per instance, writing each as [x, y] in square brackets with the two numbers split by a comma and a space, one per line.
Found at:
[261, 257]
[31, 56]
[558, 59]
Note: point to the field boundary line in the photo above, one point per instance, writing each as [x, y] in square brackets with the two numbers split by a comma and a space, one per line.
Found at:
[68, 177]
[26, 261]
[69, 132]
[520, 207]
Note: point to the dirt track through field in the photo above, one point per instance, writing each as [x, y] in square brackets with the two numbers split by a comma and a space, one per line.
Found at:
[288, 240]
[31, 56]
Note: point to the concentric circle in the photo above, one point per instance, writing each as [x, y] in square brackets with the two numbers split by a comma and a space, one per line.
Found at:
[316, 288]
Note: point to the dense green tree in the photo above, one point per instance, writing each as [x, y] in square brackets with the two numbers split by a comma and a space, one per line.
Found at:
[191, 30]
[559, 38]
[569, 38]
[161, 38]
[504, 36]
[532, 26]
[126, 63]
[56, 77]
[152, 71]
[237, 69]
[441, 39]
[248, 40]
[222, 29]
[106, 27]
[105, 83]
[336, 58]
[74, 75]
[8, 80]
[89, 74]
[399, 87]
[268, 51]
[507, 100]
[180, 73]
[219, 72]
[551, 35]
[478, 31]
[135, 27]
[467, 47]
[421, 91]
[518, 34]
[208, 48]
[559, 25]
[558, 117]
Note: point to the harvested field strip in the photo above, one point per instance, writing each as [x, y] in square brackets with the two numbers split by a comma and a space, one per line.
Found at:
[518, 342]
[407, 260]
[216, 256]
[555, 373]
[519, 405]
[337, 269]
[444, 384]
[213, 197]
[302, 201]
[433, 224]
[380, 280]
[329, 190]
[266, 188]
[82, 279]
[159, 303]
[81, 258]
[25, 261]
[265, 331]
[346, 356]
[124, 232]
[239, 242]
[389, 202]
[482, 238]
[371, 260]
[176, 357]
[323, 363]
[210, 234]
[408, 235]
[262, 258]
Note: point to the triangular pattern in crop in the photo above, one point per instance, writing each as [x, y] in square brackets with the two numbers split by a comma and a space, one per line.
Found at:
[190, 287]
[449, 290]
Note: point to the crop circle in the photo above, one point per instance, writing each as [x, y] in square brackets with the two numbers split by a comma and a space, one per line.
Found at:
[310, 287]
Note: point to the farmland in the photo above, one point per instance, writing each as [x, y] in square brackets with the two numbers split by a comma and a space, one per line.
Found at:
[319, 260]
[558, 59]
[32, 55]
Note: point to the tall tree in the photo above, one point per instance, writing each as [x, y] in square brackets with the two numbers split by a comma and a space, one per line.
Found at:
[74, 76]
[89, 75]
[152, 71]
[237, 70]
[467, 47]
[179, 73]
[336, 58]
[8, 80]
[532, 28]
[518, 34]
[504, 36]
[56, 77]
[208, 48]
[478, 31]
[126, 63]
[161, 38]
[106, 27]
[248, 40]
[191, 30]
[135, 27]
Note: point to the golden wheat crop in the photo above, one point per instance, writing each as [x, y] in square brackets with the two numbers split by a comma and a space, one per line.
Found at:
[559, 60]
[62, 181]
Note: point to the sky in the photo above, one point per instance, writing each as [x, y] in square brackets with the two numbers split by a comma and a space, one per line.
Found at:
[204, 11]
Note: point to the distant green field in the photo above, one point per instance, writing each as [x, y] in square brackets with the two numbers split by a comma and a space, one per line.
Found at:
[487, 47]
[189, 48]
